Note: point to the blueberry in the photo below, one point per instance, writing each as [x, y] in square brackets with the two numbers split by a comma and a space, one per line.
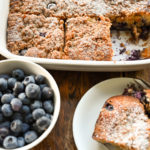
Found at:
[18, 88]
[18, 74]
[17, 116]
[138, 95]
[33, 91]
[42, 86]
[43, 123]
[11, 83]
[16, 104]
[37, 113]
[1, 117]
[6, 110]
[1, 94]
[109, 107]
[30, 136]
[3, 84]
[5, 124]
[35, 128]
[29, 118]
[28, 79]
[21, 141]
[23, 98]
[25, 109]
[47, 93]
[135, 55]
[49, 116]
[8, 91]
[16, 134]
[51, 5]
[39, 79]
[43, 34]
[6, 98]
[48, 106]
[16, 126]
[5, 76]
[3, 133]
[36, 104]
[23, 52]
[10, 142]
[25, 127]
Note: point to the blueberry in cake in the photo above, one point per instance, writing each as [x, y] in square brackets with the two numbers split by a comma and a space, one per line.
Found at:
[48, 8]
[52, 39]
[123, 123]
[141, 93]
[39, 36]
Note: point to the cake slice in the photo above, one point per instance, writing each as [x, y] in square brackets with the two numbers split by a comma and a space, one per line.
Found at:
[123, 123]
[90, 8]
[48, 8]
[88, 39]
[34, 33]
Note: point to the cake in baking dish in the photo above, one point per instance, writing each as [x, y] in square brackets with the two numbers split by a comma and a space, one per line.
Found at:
[73, 29]
[48, 8]
[88, 39]
[59, 8]
[44, 36]
[123, 13]
[122, 122]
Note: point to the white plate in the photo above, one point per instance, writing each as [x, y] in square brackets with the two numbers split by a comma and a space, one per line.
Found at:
[78, 65]
[89, 108]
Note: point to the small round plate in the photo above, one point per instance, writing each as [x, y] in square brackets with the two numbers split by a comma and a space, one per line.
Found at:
[89, 108]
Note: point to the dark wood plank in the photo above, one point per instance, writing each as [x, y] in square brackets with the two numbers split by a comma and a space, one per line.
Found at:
[72, 87]
[145, 74]
[2, 58]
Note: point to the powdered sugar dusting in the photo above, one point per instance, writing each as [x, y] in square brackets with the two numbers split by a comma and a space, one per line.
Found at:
[125, 126]
[127, 6]
[88, 39]
[131, 130]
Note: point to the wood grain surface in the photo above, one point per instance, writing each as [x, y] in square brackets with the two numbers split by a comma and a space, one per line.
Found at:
[72, 87]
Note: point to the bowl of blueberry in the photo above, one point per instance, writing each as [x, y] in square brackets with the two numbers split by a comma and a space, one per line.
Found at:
[29, 104]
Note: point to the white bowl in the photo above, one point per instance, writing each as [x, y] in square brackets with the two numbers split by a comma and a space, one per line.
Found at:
[78, 65]
[7, 66]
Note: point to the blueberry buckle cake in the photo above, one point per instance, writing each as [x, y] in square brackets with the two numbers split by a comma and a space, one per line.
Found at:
[35, 36]
[88, 39]
[73, 29]
[124, 124]
[124, 121]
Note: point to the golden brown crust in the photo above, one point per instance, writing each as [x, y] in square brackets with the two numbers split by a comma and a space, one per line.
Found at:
[31, 31]
[122, 122]
[48, 8]
[88, 39]
[118, 10]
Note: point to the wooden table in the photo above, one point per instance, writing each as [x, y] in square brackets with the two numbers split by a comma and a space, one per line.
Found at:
[72, 86]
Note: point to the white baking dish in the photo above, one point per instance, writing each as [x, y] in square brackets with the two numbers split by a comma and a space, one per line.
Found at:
[77, 65]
